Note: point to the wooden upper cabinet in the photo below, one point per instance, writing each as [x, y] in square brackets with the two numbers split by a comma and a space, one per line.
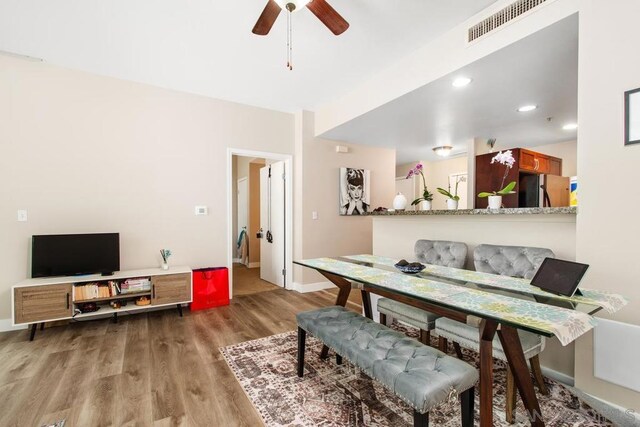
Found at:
[46, 302]
[539, 163]
[171, 289]
[555, 166]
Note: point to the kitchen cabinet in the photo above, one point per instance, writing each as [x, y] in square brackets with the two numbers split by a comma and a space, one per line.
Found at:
[525, 172]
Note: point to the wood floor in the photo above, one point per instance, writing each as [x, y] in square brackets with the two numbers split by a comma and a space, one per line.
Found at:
[246, 281]
[153, 369]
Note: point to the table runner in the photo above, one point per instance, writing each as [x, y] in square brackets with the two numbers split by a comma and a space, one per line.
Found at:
[566, 325]
[610, 302]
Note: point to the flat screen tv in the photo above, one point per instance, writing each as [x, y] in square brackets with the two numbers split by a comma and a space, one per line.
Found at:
[75, 254]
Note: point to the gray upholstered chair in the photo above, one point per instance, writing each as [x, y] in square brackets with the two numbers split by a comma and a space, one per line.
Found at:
[449, 254]
[514, 261]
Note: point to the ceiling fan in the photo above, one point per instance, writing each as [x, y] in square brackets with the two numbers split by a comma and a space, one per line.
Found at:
[320, 8]
[323, 10]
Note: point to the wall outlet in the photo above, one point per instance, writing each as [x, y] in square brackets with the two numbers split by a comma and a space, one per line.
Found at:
[202, 210]
[22, 215]
[314, 215]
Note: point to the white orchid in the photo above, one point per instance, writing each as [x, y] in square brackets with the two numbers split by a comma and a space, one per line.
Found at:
[504, 158]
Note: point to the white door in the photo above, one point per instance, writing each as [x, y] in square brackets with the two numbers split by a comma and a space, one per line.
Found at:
[272, 222]
[243, 209]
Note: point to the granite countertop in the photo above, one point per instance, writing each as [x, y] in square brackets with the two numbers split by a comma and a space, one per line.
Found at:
[505, 211]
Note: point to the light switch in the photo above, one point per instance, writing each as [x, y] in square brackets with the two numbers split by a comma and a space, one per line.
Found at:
[314, 215]
[202, 210]
[22, 215]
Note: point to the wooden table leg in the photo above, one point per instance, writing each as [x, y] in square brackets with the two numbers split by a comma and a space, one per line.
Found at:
[366, 304]
[513, 350]
[487, 332]
[344, 287]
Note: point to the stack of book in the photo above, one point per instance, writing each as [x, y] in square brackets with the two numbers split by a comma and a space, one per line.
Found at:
[95, 290]
[135, 285]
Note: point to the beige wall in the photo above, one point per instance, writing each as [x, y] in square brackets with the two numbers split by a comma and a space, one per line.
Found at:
[84, 153]
[608, 171]
[332, 234]
[396, 236]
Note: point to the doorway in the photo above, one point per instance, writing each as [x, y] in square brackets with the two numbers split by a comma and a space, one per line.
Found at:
[260, 213]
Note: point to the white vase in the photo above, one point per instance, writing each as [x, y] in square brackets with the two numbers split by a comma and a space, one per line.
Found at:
[495, 202]
[165, 266]
[399, 202]
[452, 205]
[425, 205]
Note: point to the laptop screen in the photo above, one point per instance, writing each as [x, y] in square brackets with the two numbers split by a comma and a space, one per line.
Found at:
[559, 276]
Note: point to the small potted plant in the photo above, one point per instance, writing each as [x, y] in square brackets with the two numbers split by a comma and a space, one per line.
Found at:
[452, 199]
[495, 197]
[427, 197]
[166, 253]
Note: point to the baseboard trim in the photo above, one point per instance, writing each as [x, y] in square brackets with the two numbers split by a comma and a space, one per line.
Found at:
[237, 261]
[6, 325]
[254, 265]
[558, 376]
[311, 287]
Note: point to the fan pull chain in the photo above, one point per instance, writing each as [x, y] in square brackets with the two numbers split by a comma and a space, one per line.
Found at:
[289, 41]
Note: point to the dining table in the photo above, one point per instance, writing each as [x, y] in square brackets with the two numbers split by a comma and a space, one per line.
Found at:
[497, 305]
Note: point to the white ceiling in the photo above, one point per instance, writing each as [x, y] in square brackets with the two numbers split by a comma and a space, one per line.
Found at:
[206, 46]
[541, 69]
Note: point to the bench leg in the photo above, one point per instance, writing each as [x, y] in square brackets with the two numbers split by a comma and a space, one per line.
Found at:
[458, 350]
[383, 319]
[302, 338]
[442, 344]
[420, 420]
[510, 405]
[425, 337]
[338, 359]
[466, 401]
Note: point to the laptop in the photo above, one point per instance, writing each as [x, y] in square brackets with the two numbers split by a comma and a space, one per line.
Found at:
[559, 277]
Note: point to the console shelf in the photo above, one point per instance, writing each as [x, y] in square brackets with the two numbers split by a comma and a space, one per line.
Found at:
[50, 299]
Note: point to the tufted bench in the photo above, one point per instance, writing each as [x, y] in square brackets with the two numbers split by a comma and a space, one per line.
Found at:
[420, 375]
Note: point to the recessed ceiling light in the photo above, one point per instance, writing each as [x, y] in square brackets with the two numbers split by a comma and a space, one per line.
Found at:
[526, 108]
[570, 126]
[461, 82]
[443, 150]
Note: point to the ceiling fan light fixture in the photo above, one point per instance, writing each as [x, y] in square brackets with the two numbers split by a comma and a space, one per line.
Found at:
[443, 150]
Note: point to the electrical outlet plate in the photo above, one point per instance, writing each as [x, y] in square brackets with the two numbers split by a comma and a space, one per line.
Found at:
[202, 210]
[22, 215]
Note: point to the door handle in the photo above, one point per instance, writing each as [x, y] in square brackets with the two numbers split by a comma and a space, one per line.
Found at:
[537, 162]
[153, 291]
[68, 303]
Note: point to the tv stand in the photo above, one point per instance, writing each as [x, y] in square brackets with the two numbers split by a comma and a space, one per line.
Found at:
[36, 301]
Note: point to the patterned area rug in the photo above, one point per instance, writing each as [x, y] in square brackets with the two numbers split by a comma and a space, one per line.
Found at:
[331, 395]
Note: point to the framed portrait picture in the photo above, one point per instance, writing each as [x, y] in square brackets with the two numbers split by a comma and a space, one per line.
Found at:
[355, 197]
[632, 117]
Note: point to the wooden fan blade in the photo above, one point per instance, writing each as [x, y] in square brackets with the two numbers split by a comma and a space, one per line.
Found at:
[267, 18]
[328, 16]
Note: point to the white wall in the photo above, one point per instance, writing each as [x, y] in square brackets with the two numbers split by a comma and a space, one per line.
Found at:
[84, 153]
[396, 236]
[442, 56]
[609, 173]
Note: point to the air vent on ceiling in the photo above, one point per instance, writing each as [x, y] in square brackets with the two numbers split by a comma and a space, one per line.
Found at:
[500, 18]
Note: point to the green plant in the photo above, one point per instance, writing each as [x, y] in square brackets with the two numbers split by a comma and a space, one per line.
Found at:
[506, 190]
[447, 193]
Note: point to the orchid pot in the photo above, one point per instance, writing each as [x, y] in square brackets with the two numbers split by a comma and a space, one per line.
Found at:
[452, 204]
[425, 205]
[495, 202]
